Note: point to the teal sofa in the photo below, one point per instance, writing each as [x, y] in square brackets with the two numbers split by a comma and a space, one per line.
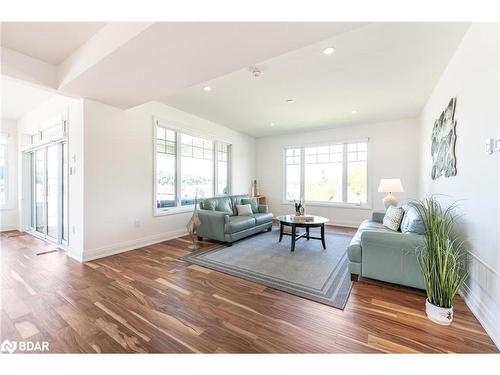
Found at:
[220, 221]
[379, 253]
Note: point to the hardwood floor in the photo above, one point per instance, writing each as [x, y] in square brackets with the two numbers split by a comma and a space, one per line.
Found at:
[147, 300]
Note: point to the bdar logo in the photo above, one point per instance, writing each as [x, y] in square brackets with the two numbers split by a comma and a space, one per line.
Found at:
[8, 346]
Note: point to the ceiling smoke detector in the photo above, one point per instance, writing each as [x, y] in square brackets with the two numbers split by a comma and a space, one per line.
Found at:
[255, 71]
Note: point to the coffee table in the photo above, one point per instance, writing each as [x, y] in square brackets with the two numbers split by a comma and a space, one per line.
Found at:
[317, 222]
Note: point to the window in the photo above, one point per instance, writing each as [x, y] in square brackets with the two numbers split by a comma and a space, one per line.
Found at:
[197, 168]
[356, 173]
[186, 165]
[335, 173]
[222, 169]
[165, 167]
[293, 162]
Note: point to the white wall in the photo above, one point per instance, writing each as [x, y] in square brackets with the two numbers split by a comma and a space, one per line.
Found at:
[119, 174]
[473, 77]
[30, 124]
[392, 152]
[9, 212]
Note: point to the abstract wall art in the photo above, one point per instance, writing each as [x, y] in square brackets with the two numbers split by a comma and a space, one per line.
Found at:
[443, 143]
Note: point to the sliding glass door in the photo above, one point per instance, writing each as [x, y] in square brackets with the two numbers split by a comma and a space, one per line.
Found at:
[50, 192]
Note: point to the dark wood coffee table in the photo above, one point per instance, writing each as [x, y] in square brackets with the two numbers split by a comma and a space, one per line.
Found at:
[317, 222]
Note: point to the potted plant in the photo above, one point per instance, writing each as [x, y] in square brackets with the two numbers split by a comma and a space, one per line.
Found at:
[441, 260]
[299, 208]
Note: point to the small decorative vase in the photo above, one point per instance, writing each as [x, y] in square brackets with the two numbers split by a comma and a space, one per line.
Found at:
[297, 213]
[302, 211]
[439, 315]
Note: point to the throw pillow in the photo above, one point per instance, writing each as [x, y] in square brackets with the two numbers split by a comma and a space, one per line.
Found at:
[393, 217]
[252, 202]
[244, 209]
[412, 222]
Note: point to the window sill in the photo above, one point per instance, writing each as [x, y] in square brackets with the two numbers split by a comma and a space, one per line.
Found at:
[332, 205]
[173, 211]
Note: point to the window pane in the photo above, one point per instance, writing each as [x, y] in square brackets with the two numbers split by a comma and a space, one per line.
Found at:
[165, 168]
[323, 182]
[197, 169]
[222, 188]
[165, 177]
[292, 182]
[160, 133]
[65, 191]
[356, 182]
[222, 169]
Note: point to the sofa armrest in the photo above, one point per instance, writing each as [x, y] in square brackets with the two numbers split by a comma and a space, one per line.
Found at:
[212, 224]
[394, 240]
[263, 209]
[378, 216]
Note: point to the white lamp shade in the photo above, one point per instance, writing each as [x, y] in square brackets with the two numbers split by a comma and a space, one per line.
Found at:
[390, 185]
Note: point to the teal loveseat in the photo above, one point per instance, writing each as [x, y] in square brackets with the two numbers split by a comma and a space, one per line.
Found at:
[379, 253]
[220, 221]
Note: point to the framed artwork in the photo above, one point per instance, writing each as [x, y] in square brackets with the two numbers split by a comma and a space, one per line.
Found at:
[444, 137]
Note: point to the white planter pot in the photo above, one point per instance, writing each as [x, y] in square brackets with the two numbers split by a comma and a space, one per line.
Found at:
[439, 315]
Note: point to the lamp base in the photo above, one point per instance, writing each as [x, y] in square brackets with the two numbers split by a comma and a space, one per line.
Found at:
[390, 200]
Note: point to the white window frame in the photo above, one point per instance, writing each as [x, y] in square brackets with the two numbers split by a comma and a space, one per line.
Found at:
[179, 129]
[344, 204]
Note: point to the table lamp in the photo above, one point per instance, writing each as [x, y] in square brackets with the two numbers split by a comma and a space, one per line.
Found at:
[390, 185]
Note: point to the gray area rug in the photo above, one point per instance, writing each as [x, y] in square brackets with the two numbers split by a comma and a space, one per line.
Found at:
[309, 272]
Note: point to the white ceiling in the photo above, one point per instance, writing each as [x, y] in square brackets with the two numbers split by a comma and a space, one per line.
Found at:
[165, 57]
[19, 98]
[383, 71]
[51, 42]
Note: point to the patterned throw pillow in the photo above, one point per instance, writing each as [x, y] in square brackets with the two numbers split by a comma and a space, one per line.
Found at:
[393, 217]
[244, 209]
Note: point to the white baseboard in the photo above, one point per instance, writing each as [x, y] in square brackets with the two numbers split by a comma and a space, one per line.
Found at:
[480, 297]
[8, 228]
[128, 245]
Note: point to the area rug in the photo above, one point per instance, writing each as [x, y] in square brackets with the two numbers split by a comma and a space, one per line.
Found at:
[309, 272]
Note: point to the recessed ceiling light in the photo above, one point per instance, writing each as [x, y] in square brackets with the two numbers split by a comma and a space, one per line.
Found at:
[354, 111]
[289, 101]
[272, 124]
[207, 88]
[329, 50]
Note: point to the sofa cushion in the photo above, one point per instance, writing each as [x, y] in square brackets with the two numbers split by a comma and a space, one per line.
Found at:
[223, 204]
[239, 223]
[252, 202]
[412, 222]
[244, 209]
[263, 218]
[393, 217]
[354, 248]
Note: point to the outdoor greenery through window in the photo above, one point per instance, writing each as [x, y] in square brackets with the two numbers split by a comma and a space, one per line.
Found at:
[187, 164]
[334, 173]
